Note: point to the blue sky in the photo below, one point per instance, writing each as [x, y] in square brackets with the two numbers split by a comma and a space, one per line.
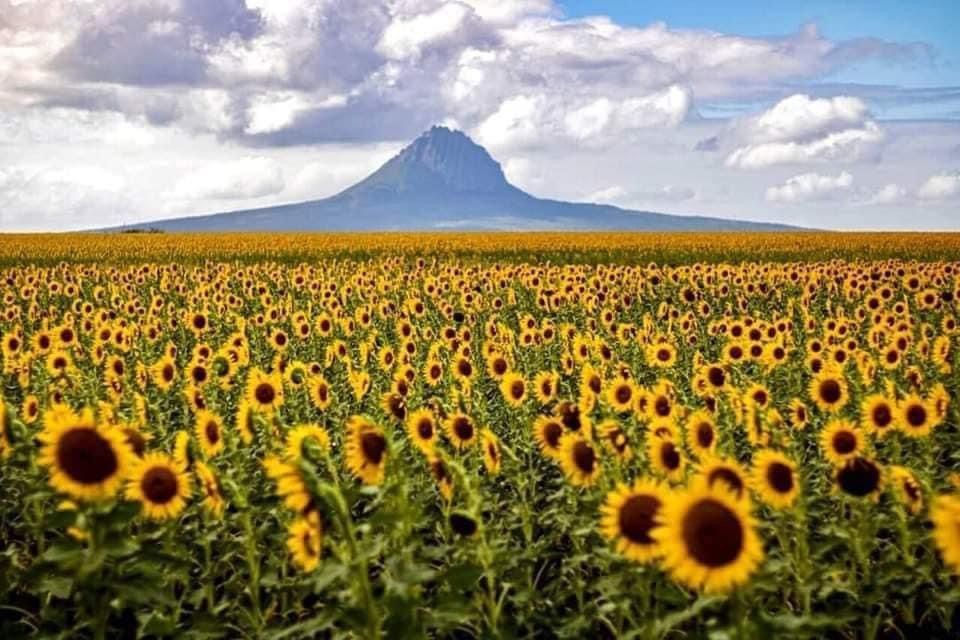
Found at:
[934, 23]
[825, 114]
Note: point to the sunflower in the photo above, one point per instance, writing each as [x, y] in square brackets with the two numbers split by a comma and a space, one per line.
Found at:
[945, 516]
[394, 405]
[828, 390]
[30, 410]
[290, 485]
[303, 433]
[244, 422]
[798, 415]
[491, 451]
[213, 500]
[497, 365]
[264, 391]
[725, 473]
[774, 478]
[441, 475]
[620, 395]
[548, 432]
[545, 385]
[422, 429]
[917, 417]
[616, 439]
[433, 372]
[628, 517]
[514, 388]
[86, 461]
[305, 542]
[208, 428]
[164, 372]
[859, 477]
[579, 460]
[160, 484]
[878, 415]
[907, 488]
[665, 457]
[321, 394]
[366, 450]
[662, 355]
[841, 440]
[574, 418]
[461, 430]
[463, 524]
[701, 433]
[708, 539]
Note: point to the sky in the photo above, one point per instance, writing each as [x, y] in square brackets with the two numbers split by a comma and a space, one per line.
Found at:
[822, 114]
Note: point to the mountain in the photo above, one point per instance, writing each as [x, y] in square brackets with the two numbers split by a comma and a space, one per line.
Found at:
[444, 180]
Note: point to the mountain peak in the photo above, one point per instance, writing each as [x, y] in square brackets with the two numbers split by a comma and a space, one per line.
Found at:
[441, 158]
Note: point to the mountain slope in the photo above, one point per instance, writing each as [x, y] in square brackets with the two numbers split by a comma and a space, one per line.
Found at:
[443, 180]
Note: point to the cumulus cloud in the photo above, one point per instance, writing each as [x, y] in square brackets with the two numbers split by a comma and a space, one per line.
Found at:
[810, 186]
[890, 193]
[619, 195]
[60, 198]
[941, 186]
[250, 177]
[271, 73]
[804, 130]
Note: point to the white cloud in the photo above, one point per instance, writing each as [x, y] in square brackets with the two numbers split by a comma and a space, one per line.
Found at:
[619, 195]
[800, 116]
[60, 198]
[250, 177]
[941, 186]
[888, 194]
[810, 186]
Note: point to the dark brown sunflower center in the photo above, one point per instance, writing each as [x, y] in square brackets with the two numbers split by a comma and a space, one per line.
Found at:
[465, 368]
[373, 445]
[462, 524]
[595, 384]
[859, 477]
[780, 477]
[637, 518]
[551, 434]
[546, 388]
[500, 366]
[517, 389]
[493, 452]
[669, 456]
[571, 417]
[716, 376]
[463, 428]
[584, 457]
[264, 393]
[705, 434]
[663, 355]
[623, 394]
[212, 429]
[135, 441]
[916, 415]
[168, 373]
[882, 416]
[830, 391]
[712, 533]
[844, 442]
[85, 456]
[159, 485]
[662, 406]
[425, 428]
[728, 476]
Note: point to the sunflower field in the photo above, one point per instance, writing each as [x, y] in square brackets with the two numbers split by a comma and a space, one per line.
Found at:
[340, 436]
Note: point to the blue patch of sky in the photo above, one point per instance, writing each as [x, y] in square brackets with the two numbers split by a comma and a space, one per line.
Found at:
[934, 22]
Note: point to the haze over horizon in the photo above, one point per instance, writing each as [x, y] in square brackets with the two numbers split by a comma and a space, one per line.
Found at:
[119, 112]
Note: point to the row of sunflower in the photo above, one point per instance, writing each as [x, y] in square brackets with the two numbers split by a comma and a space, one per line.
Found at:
[407, 447]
